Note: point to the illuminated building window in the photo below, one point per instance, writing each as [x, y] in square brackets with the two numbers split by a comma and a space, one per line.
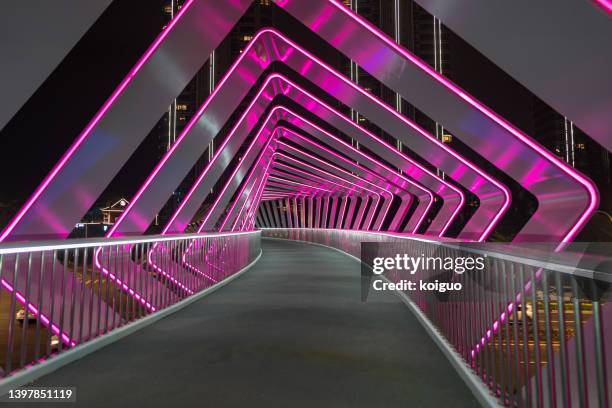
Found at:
[361, 119]
[247, 38]
[168, 9]
[264, 2]
[580, 146]
[182, 118]
[447, 138]
[181, 107]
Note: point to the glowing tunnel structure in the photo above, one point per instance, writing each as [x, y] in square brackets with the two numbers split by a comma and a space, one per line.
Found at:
[295, 156]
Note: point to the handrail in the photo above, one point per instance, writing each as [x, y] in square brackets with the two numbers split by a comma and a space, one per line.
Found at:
[66, 293]
[71, 243]
[565, 262]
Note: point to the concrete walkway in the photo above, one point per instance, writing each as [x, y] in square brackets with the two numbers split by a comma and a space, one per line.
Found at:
[291, 332]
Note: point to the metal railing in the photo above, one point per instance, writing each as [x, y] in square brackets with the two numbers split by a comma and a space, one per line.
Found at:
[532, 324]
[57, 295]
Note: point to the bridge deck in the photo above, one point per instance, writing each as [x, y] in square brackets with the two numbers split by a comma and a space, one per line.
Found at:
[291, 332]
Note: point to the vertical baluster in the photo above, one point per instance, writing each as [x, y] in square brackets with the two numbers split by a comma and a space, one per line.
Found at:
[52, 301]
[490, 317]
[138, 283]
[39, 306]
[506, 297]
[479, 309]
[91, 293]
[63, 301]
[132, 267]
[600, 368]
[100, 295]
[120, 272]
[550, 357]
[24, 328]
[565, 391]
[498, 332]
[73, 294]
[525, 322]
[115, 292]
[536, 338]
[11, 322]
[166, 269]
[156, 281]
[149, 278]
[515, 323]
[581, 377]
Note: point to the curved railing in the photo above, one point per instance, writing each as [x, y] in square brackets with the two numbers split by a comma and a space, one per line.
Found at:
[60, 294]
[532, 324]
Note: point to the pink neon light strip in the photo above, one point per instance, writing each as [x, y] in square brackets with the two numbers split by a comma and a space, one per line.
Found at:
[184, 133]
[348, 146]
[256, 188]
[260, 191]
[387, 205]
[414, 126]
[353, 164]
[592, 191]
[605, 4]
[217, 154]
[279, 181]
[254, 204]
[244, 186]
[34, 310]
[255, 207]
[369, 158]
[326, 172]
[292, 159]
[240, 193]
[376, 194]
[235, 65]
[96, 119]
[122, 284]
[216, 203]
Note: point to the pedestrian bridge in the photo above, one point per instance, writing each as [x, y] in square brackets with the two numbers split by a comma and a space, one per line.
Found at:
[248, 288]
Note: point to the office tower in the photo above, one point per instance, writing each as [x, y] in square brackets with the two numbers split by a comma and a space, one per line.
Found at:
[186, 104]
[561, 136]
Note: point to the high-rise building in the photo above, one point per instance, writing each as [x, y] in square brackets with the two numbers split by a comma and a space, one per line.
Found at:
[569, 143]
[186, 104]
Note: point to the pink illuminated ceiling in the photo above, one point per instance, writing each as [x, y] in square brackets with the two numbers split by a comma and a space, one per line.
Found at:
[565, 197]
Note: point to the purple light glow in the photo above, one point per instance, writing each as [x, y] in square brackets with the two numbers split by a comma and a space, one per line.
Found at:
[96, 119]
[606, 5]
[587, 184]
